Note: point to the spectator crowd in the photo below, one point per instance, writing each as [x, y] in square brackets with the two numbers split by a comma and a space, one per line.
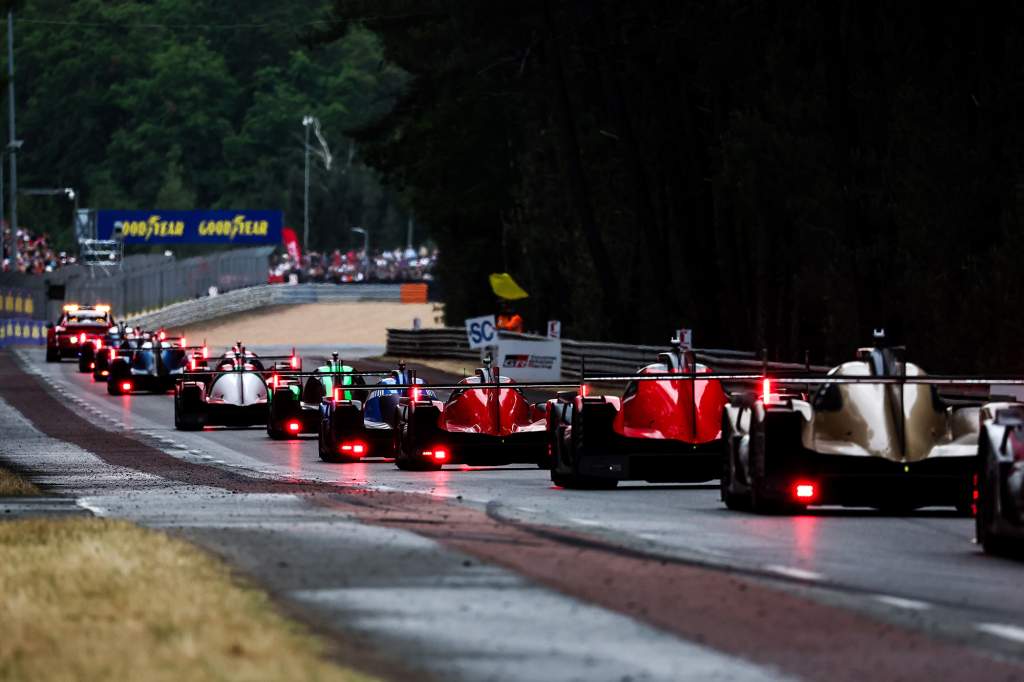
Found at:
[34, 253]
[399, 265]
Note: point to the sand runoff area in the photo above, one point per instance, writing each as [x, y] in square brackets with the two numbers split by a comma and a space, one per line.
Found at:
[350, 322]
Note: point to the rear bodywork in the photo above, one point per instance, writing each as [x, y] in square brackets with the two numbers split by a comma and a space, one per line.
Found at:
[351, 429]
[148, 365]
[658, 431]
[489, 422]
[295, 398]
[893, 446]
[1000, 478]
[234, 393]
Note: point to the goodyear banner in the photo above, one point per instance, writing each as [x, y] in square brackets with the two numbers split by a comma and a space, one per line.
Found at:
[21, 332]
[190, 227]
[16, 303]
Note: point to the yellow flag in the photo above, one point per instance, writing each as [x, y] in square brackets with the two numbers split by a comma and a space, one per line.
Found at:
[505, 287]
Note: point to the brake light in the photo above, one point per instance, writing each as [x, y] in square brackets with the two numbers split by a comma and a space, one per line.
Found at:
[104, 373]
[438, 454]
[338, 393]
[206, 352]
[584, 390]
[99, 344]
[126, 385]
[92, 365]
[162, 335]
[766, 389]
[192, 364]
[294, 362]
[415, 393]
[805, 491]
[273, 381]
[184, 343]
[353, 448]
[294, 426]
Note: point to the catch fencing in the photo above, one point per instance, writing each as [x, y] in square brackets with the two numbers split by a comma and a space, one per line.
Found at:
[141, 282]
[600, 357]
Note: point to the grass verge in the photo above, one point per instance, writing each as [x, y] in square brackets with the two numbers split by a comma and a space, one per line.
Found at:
[99, 599]
[12, 485]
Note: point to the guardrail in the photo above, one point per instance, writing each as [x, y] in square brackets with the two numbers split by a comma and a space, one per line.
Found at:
[601, 357]
[251, 298]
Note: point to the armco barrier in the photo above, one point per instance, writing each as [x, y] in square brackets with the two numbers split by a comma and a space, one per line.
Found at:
[601, 358]
[252, 298]
[22, 332]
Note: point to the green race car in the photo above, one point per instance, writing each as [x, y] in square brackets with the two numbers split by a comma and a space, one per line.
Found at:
[295, 397]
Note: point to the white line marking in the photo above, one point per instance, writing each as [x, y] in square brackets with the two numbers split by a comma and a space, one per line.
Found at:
[98, 511]
[1010, 632]
[901, 603]
[587, 522]
[791, 572]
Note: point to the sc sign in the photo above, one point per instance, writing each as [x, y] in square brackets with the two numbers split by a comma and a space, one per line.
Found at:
[481, 331]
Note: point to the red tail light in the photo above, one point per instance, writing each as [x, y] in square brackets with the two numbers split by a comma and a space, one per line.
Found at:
[99, 344]
[584, 390]
[92, 365]
[805, 491]
[192, 364]
[206, 352]
[354, 448]
[162, 335]
[294, 426]
[339, 393]
[438, 454]
[126, 385]
[104, 373]
[294, 362]
[766, 389]
[415, 393]
[274, 381]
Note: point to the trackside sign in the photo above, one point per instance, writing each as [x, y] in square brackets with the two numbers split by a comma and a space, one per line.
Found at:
[530, 360]
[481, 331]
[190, 227]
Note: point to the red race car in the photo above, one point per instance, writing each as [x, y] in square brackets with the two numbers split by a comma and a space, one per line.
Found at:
[78, 325]
[660, 430]
[487, 420]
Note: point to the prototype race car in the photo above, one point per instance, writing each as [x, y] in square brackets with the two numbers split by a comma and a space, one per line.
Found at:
[151, 363]
[659, 430]
[78, 324]
[999, 518]
[874, 433]
[352, 429]
[295, 397]
[92, 350]
[233, 393]
[487, 420]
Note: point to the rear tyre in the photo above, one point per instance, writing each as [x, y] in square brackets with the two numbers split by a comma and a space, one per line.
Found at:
[326, 446]
[407, 453]
[581, 482]
[83, 364]
[52, 355]
[988, 511]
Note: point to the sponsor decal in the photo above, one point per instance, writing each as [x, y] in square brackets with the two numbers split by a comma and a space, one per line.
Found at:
[190, 227]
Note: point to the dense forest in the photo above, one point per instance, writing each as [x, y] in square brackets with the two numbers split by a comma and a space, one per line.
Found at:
[193, 104]
[782, 175]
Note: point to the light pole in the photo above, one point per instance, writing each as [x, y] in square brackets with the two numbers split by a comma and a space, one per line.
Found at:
[13, 144]
[69, 192]
[366, 241]
[307, 121]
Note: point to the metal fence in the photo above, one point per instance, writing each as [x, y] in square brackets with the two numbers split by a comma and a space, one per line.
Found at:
[601, 358]
[142, 282]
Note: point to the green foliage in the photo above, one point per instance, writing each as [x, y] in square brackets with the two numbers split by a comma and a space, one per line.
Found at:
[779, 175]
[190, 104]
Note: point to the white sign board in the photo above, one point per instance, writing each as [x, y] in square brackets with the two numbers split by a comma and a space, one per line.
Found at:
[481, 331]
[530, 360]
[685, 337]
[554, 329]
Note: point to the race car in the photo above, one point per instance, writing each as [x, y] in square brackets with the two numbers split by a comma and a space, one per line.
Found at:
[352, 429]
[152, 363]
[92, 350]
[659, 430]
[875, 433]
[487, 420]
[233, 392]
[295, 396]
[77, 325]
[999, 517]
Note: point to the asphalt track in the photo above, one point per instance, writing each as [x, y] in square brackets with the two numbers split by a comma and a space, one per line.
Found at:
[812, 596]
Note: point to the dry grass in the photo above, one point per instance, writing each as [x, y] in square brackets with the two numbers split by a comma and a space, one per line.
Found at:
[96, 599]
[12, 485]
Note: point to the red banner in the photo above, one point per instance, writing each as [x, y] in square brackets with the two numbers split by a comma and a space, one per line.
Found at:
[291, 243]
